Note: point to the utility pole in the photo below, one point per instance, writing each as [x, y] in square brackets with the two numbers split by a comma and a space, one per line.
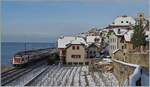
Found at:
[25, 45]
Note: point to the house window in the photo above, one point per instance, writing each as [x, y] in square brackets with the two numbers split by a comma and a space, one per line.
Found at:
[78, 47]
[125, 46]
[76, 56]
[140, 15]
[119, 31]
[90, 52]
[73, 47]
[63, 52]
[121, 21]
[72, 56]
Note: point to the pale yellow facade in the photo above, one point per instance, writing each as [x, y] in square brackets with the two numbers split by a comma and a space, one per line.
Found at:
[81, 51]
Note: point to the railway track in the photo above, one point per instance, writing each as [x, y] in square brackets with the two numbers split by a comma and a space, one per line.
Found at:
[33, 80]
[8, 77]
[8, 72]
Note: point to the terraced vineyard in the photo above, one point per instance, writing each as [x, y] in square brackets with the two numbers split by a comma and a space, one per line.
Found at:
[73, 76]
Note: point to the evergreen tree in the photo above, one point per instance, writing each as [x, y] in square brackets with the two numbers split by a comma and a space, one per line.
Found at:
[138, 38]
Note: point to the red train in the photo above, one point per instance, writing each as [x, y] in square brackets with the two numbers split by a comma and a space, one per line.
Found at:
[26, 57]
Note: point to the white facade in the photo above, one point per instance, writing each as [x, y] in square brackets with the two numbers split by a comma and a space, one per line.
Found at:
[115, 40]
[124, 21]
[112, 43]
[147, 33]
[120, 31]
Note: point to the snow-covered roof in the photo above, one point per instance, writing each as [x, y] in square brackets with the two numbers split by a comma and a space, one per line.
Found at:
[128, 64]
[115, 51]
[91, 39]
[105, 30]
[128, 35]
[75, 42]
[63, 41]
[120, 31]
[124, 20]
[107, 60]
[78, 41]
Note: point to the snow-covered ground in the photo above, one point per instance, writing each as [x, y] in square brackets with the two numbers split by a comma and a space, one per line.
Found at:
[75, 76]
[65, 76]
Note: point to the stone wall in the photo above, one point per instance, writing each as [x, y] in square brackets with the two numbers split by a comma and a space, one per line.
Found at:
[118, 55]
[122, 71]
[141, 59]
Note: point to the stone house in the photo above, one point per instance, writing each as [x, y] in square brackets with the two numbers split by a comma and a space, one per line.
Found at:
[118, 55]
[62, 45]
[128, 46]
[93, 51]
[75, 53]
[116, 39]
[77, 50]
[127, 41]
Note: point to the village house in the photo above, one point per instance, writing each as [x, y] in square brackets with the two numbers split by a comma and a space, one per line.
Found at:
[76, 52]
[128, 46]
[116, 39]
[92, 43]
[62, 45]
[93, 32]
[93, 51]
[93, 39]
[122, 22]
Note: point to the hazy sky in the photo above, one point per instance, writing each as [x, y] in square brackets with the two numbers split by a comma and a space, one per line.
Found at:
[44, 21]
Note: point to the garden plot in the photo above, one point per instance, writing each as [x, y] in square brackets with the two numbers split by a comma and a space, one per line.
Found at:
[67, 77]
[75, 76]
[52, 77]
[98, 79]
[110, 79]
[48, 76]
[71, 76]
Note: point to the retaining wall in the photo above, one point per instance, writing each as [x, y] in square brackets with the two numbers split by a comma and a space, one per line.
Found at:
[122, 71]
